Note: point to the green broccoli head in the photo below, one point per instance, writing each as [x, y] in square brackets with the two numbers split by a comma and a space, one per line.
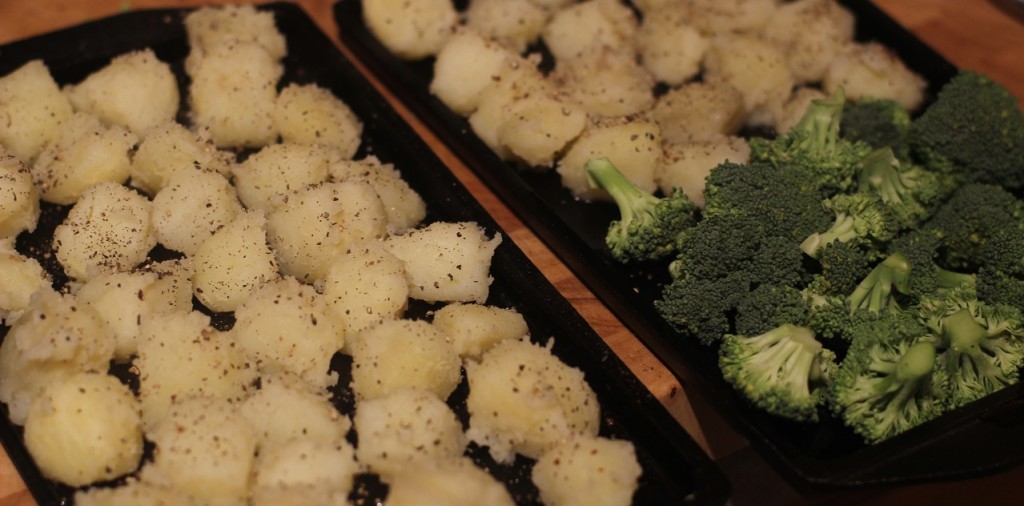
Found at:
[701, 307]
[859, 218]
[769, 305]
[910, 192]
[831, 318]
[648, 226]
[843, 266]
[877, 122]
[972, 215]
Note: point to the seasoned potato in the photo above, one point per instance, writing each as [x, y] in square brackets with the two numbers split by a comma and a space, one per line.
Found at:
[268, 176]
[108, 230]
[365, 286]
[233, 263]
[514, 23]
[410, 30]
[670, 48]
[687, 165]
[309, 114]
[208, 27]
[449, 484]
[19, 198]
[446, 261]
[538, 127]
[518, 78]
[699, 112]
[136, 493]
[404, 207]
[812, 33]
[596, 471]
[305, 472]
[632, 144]
[84, 153]
[474, 328]
[273, 408]
[22, 277]
[191, 208]
[33, 109]
[398, 354]
[408, 428]
[522, 399]
[84, 429]
[756, 67]
[873, 70]
[171, 148]
[465, 65]
[135, 90]
[606, 81]
[579, 28]
[721, 16]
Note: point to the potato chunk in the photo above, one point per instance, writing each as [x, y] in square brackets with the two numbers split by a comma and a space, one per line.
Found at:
[22, 276]
[305, 472]
[518, 78]
[191, 208]
[579, 28]
[632, 144]
[233, 263]
[812, 33]
[398, 354]
[687, 165]
[171, 148]
[309, 114]
[597, 471]
[32, 111]
[136, 493]
[606, 82]
[410, 30]
[273, 408]
[404, 206]
[458, 483]
[19, 198]
[756, 67]
[365, 286]
[538, 127]
[670, 48]
[208, 27]
[466, 64]
[699, 112]
[873, 70]
[268, 176]
[474, 328]
[513, 23]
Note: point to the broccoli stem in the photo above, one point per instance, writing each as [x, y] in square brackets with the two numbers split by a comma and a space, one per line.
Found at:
[787, 348]
[879, 173]
[630, 199]
[821, 123]
[917, 362]
[951, 279]
[842, 230]
[963, 333]
[874, 292]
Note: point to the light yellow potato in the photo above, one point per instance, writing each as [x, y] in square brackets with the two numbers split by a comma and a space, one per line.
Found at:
[19, 198]
[812, 33]
[518, 78]
[33, 109]
[174, 281]
[287, 326]
[448, 262]
[596, 471]
[632, 144]
[22, 276]
[135, 493]
[578, 28]
[171, 148]
[365, 286]
[84, 153]
[475, 328]
[873, 70]
[793, 109]
[107, 230]
[408, 428]
[606, 81]
[522, 399]
[304, 465]
[233, 263]
[465, 65]
[405, 207]
[410, 30]
[180, 356]
[309, 114]
[687, 165]
[699, 112]
[233, 93]
[670, 48]
[756, 67]
[135, 90]
[448, 484]
[538, 127]
[721, 16]
[191, 208]
[205, 448]
[321, 222]
[212, 26]
[515, 24]
[397, 354]
[286, 409]
[55, 338]
[85, 429]
[268, 176]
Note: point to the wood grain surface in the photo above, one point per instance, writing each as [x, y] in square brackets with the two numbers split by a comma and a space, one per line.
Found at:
[973, 34]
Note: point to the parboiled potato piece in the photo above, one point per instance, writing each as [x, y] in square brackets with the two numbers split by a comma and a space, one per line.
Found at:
[205, 448]
[408, 428]
[22, 276]
[291, 470]
[55, 338]
[756, 67]
[233, 93]
[522, 399]
[170, 149]
[211, 26]
[410, 30]
[405, 207]
[233, 263]
[107, 230]
[309, 114]
[397, 354]
[319, 223]
[475, 328]
[365, 286]
[873, 70]
[519, 77]
[513, 23]
[598, 471]
[135, 493]
[580, 27]
[84, 154]
[287, 326]
[135, 90]
[670, 48]
[632, 144]
[687, 165]
[721, 16]
[465, 65]
[812, 33]
[538, 127]
[191, 207]
[606, 81]
[266, 177]
[447, 484]
[180, 356]
[84, 429]
[286, 409]
[19, 198]
[792, 111]
[446, 261]
[33, 108]
[699, 112]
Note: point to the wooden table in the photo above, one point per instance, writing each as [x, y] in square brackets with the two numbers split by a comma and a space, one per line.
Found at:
[971, 33]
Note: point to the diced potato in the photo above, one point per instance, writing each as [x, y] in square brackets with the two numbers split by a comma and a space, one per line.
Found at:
[721, 16]
[812, 33]
[474, 328]
[208, 27]
[273, 411]
[687, 165]
[267, 177]
[136, 493]
[365, 286]
[85, 429]
[107, 230]
[793, 110]
[309, 114]
[22, 276]
[873, 70]
[410, 30]
[191, 208]
[408, 428]
[397, 354]
[233, 263]
[522, 399]
[517, 79]
[756, 67]
[135, 90]
[449, 484]
[84, 153]
[514, 23]
[19, 198]
[606, 81]
[405, 208]
[446, 261]
[596, 471]
[465, 65]
[699, 112]
[538, 127]
[670, 48]
[305, 465]
[33, 110]
[632, 144]
[579, 28]
[171, 148]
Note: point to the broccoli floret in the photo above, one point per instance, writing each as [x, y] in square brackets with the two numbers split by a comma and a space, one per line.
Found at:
[702, 308]
[769, 305]
[999, 287]
[878, 122]
[876, 292]
[831, 318]
[783, 371]
[973, 214]
[859, 217]
[814, 146]
[909, 192]
[974, 130]
[648, 226]
[843, 266]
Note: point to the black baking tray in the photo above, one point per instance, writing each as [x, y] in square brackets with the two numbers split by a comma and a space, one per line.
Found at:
[979, 439]
[675, 469]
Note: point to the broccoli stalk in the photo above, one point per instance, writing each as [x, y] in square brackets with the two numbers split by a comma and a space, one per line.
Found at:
[858, 217]
[875, 292]
[781, 371]
[910, 194]
[648, 227]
